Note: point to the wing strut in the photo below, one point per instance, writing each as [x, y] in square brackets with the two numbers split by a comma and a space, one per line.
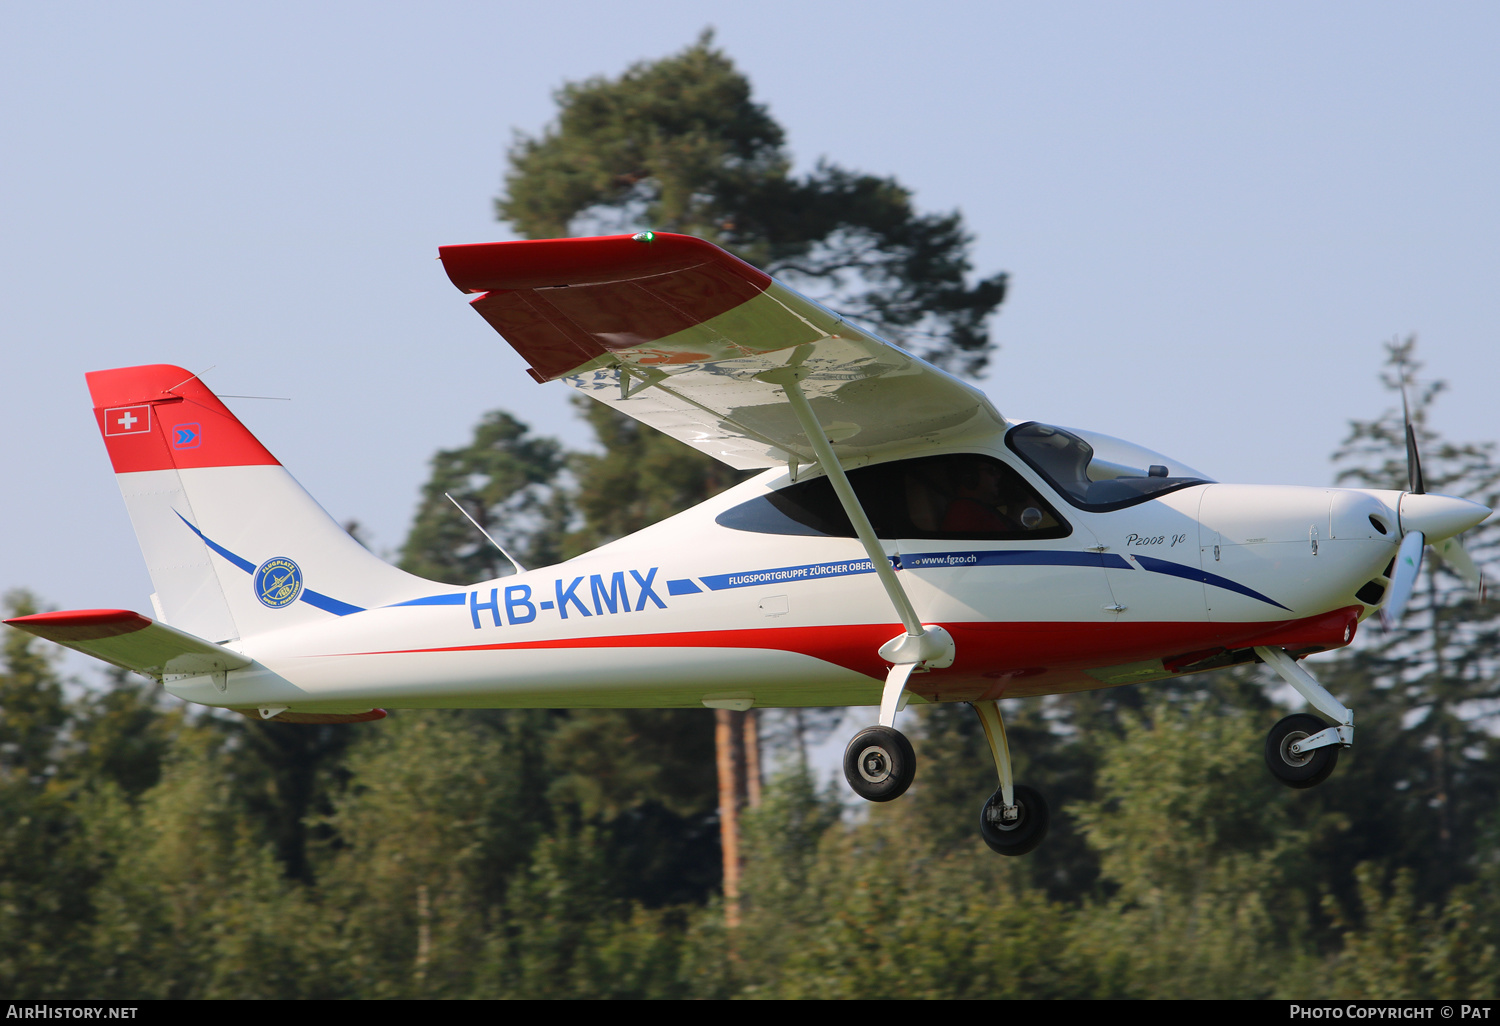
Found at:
[920, 646]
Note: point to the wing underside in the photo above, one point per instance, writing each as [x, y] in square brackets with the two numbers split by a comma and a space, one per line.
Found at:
[677, 333]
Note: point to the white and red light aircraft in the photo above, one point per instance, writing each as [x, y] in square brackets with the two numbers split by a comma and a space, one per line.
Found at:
[905, 541]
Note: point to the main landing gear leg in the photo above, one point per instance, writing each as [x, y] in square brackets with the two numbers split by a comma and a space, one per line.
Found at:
[879, 762]
[1014, 820]
[1302, 750]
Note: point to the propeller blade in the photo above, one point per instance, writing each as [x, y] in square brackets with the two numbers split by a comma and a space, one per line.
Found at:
[1414, 463]
[1404, 577]
[1461, 563]
[1414, 481]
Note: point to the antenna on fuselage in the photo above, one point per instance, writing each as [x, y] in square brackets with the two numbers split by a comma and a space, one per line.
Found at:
[513, 562]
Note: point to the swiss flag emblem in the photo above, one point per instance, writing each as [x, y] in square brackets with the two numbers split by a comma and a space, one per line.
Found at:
[127, 420]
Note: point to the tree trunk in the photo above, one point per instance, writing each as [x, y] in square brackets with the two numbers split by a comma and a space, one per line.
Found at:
[730, 778]
[750, 739]
[737, 748]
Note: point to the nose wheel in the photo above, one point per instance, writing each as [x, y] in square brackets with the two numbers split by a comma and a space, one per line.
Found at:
[1302, 750]
[1289, 762]
[880, 764]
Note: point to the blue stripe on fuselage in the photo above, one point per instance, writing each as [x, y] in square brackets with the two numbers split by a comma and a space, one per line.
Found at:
[1193, 573]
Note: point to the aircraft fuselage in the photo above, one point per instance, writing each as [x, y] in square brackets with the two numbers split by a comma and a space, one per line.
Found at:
[690, 611]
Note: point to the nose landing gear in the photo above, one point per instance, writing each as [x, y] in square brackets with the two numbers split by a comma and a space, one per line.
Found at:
[1302, 750]
[1290, 760]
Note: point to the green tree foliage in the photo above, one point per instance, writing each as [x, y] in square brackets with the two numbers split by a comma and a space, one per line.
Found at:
[1201, 850]
[285, 779]
[1404, 950]
[568, 933]
[877, 910]
[45, 872]
[460, 867]
[428, 833]
[32, 711]
[641, 477]
[194, 903]
[122, 734]
[506, 479]
[679, 145]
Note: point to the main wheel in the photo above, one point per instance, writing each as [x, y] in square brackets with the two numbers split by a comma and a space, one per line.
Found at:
[1017, 836]
[879, 764]
[1308, 769]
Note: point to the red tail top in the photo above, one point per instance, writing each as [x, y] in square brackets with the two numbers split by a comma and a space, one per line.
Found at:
[162, 417]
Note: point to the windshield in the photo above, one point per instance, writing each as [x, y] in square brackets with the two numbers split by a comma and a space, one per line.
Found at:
[1096, 472]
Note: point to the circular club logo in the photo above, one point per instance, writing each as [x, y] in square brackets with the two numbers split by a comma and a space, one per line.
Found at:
[278, 582]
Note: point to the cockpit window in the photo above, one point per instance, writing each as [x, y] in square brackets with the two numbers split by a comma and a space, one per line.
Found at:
[1088, 479]
[956, 495]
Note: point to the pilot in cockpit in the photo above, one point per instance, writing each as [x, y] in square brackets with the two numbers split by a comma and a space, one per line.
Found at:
[977, 506]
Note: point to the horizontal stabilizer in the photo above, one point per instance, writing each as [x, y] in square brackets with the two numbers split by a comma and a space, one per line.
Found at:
[127, 639]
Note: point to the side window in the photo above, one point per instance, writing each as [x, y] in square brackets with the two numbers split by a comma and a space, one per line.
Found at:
[957, 495]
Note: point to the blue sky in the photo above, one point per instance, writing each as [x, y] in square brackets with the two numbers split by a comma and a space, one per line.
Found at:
[1213, 214]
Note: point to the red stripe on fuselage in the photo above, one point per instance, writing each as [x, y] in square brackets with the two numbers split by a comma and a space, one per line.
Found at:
[993, 659]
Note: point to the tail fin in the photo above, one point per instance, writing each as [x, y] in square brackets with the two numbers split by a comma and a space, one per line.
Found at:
[234, 545]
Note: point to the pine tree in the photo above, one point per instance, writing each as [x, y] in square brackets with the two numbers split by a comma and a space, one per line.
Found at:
[679, 145]
[1424, 690]
[507, 480]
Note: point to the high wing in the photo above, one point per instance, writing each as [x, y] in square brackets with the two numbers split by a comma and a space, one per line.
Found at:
[676, 332]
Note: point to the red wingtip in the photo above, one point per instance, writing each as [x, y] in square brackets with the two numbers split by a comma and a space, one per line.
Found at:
[623, 292]
[161, 417]
[81, 624]
[601, 260]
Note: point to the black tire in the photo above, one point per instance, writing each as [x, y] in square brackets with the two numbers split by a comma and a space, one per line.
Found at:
[1022, 834]
[880, 764]
[1303, 771]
